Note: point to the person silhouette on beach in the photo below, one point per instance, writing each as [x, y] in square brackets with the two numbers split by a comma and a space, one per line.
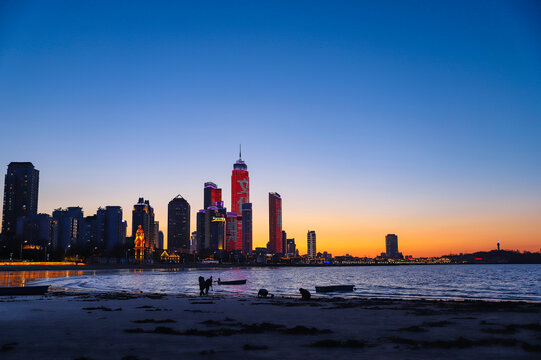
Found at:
[201, 286]
[208, 285]
[263, 293]
[305, 294]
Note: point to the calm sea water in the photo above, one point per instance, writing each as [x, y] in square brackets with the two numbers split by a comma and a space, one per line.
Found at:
[495, 282]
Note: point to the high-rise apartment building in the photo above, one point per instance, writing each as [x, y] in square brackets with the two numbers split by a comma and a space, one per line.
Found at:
[114, 229]
[20, 198]
[247, 228]
[391, 247]
[178, 225]
[291, 247]
[284, 242]
[311, 237]
[71, 227]
[275, 223]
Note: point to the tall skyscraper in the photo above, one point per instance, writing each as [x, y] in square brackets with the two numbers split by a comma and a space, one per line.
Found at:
[240, 194]
[311, 237]
[275, 223]
[391, 247]
[212, 194]
[178, 225]
[143, 214]
[247, 228]
[20, 198]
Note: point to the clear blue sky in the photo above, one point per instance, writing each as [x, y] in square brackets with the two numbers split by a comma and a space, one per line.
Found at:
[416, 117]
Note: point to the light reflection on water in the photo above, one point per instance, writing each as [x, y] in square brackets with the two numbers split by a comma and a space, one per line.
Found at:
[498, 282]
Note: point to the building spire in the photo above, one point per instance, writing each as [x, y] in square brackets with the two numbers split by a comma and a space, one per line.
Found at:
[240, 151]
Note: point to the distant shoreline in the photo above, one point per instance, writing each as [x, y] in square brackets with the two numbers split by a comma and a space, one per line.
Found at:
[212, 266]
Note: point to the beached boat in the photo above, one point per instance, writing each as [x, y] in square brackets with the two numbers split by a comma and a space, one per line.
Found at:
[23, 290]
[334, 288]
[231, 282]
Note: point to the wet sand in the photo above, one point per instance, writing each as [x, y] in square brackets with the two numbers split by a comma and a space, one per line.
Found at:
[69, 325]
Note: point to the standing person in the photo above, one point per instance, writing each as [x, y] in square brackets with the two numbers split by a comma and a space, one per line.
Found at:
[201, 286]
[208, 285]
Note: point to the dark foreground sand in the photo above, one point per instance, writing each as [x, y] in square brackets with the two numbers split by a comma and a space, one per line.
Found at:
[65, 325]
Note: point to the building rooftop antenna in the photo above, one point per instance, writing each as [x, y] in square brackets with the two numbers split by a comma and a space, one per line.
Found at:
[240, 151]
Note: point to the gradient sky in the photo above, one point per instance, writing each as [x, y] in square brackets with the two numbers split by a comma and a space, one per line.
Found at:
[420, 118]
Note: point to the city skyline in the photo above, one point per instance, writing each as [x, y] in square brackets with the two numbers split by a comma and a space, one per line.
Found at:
[368, 119]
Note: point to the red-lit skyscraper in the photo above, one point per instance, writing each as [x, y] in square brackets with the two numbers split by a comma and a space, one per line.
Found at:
[240, 194]
[275, 223]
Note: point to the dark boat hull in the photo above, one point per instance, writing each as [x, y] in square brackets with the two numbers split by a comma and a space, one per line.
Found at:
[334, 288]
[23, 290]
[232, 282]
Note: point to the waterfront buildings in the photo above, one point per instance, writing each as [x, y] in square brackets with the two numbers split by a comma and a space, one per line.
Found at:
[36, 230]
[178, 225]
[71, 229]
[275, 223]
[21, 186]
[143, 214]
[391, 247]
[212, 194]
[247, 228]
[311, 237]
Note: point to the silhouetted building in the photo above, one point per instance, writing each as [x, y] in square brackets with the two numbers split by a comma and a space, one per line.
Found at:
[291, 247]
[143, 214]
[21, 186]
[284, 242]
[311, 237]
[71, 229]
[35, 230]
[240, 194]
[94, 229]
[212, 194]
[211, 228]
[193, 242]
[231, 243]
[275, 223]
[391, 247]
[115, 229]
[178, 224]
[160, 240]
[247, 228]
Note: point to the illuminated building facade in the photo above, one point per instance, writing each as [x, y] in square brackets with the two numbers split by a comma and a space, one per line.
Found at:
[231, 243]
[140, 244]
[247, 228]
[212, 194]
[275, 223]
[178, 224]
[311, 237]
[20, 198]
[240, 194]
[143, 214]
[391, 247]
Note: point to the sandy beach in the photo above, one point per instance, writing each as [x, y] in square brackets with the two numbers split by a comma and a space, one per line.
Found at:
[71, 325]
